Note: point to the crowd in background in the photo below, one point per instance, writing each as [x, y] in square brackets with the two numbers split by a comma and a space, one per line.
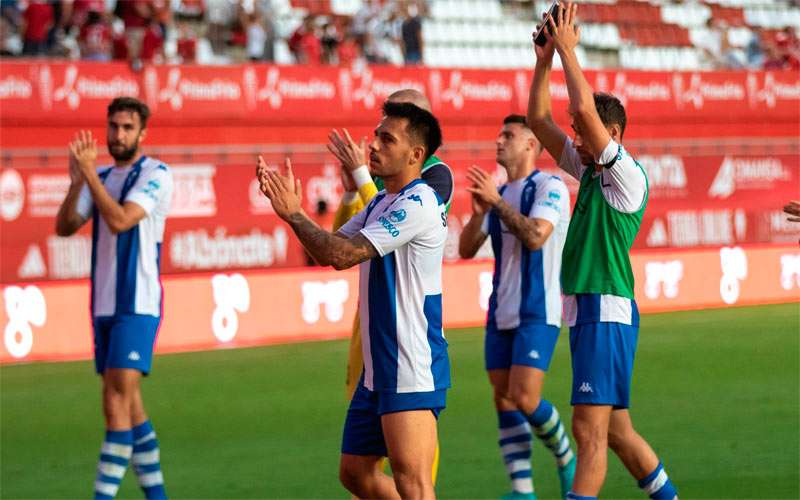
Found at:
[208, 31]
[231, 31]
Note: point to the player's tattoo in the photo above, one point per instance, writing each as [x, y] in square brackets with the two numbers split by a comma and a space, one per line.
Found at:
[330, 249]
[530, 232]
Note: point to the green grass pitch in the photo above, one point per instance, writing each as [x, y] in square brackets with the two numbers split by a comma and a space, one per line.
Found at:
[715, 393]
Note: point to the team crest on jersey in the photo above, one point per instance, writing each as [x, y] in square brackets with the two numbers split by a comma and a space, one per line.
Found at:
[554, 195]
[397, 216]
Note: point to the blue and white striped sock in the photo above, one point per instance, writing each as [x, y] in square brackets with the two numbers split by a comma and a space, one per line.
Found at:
[658, 485]
[515, 445]
[146, 461]
[114, 456]
[547, 425]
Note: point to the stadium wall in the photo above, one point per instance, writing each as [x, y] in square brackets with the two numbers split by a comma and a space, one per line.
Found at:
[50, 321]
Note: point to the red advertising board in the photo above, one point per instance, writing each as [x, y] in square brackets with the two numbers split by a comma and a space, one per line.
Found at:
[50, 321]
[76, 93]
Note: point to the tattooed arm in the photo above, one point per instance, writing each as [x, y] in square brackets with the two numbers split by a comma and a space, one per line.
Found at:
[531, 232]
[330, 249]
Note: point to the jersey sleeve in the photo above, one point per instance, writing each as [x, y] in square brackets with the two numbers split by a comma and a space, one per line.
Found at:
[151, 189]
[85, 203]
[624, 183]
[548, 203]
[570, 161]
[401, 222]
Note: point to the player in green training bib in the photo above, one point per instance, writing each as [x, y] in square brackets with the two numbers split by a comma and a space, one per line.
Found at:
[596, 275]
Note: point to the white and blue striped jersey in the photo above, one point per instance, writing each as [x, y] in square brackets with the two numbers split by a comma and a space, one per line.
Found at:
[527, 283]
[400, 291]
[125, 266]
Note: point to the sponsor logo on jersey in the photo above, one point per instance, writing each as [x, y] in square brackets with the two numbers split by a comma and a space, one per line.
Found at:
[389, 226]
[397, 216]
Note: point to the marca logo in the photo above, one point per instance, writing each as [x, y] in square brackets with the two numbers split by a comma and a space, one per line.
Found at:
[193, 193]
[758, 173]
[328, 295]
[697, 92]
[361, 86]
[460, 90]
[627, 91]
[69, 257]
[13, 87]
[12, 194]
[24, 307]
[325, 187]
[790, 271]
[231, 295]
[77, 87]
[276, 89]
[770, 91]
[179, 89]
[733, 261]
[665, 174]
[45, 193]
[662, 276]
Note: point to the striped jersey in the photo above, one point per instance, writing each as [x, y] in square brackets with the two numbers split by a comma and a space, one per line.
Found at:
[400, 300]
[526, 284]
[125, 266]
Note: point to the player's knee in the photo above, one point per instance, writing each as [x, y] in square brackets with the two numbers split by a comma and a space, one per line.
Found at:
[589, 436]
[411, 482]
[354, 478]
[523, 399]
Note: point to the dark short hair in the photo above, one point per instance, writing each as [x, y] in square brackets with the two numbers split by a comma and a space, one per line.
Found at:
[131, 104]
[611, 111]
[422, 126]
[514, 118]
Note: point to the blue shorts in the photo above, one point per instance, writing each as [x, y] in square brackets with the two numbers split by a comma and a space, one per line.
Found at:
[529, 345]
[602, 363]
[363, 433]
[124, 341]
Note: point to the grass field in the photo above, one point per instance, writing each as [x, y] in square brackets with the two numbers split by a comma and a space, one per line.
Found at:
[715, 392]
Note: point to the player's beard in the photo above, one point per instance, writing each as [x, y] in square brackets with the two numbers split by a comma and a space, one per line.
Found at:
[125, 154]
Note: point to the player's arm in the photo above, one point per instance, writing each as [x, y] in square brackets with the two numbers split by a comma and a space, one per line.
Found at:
[326, 248]
[531, 232]
[118, 218]
[473, 234]
[540, 107]
[565, 36]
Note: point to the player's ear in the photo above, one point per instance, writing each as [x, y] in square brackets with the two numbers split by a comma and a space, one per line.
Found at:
[615, 131]
[418, 155]
[142, 135]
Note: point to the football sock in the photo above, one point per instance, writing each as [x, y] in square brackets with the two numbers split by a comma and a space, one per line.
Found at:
[147, 461]
[114, 456]
[658, 485]
[573, 496]
[515, 446]
[547, 425]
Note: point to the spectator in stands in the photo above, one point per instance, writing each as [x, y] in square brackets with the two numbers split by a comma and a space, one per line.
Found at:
[788, 47]
[412, 35]
[136, 14]
[95, 38]
[305, 43]
[330, 40]
[754, 51]
[220, 14]
[38, 19]
[256, 36]
[152, 49]
[349, 53]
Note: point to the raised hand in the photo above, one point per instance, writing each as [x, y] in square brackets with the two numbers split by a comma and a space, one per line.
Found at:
[345, 149]
[83, 154]
[544, 52]
[282, 189]
[564, 33]
[483, 187]
[347, 180]
[479, 207]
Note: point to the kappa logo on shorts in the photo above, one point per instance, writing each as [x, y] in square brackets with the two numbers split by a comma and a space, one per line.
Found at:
[134, 356]
[585, 387]
[534, 354]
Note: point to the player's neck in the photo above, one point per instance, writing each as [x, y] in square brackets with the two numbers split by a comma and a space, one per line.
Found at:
[519, 171]
[395, 183]
[128, 163]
